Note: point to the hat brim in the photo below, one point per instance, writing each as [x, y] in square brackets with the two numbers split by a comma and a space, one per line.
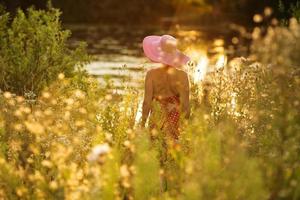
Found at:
[152, 49]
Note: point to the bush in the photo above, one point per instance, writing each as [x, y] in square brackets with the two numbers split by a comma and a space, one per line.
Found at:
[33, 51]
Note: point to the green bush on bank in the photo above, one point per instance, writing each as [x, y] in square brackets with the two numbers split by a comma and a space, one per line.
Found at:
[33, 51]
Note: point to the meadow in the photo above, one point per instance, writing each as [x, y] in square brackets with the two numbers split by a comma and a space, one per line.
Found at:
[65, 136]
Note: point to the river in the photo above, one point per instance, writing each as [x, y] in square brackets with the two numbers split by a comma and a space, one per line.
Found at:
[117, 52]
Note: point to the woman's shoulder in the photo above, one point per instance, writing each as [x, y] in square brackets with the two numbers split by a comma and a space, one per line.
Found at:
[152, 71]
[181, 72]
[158, 70]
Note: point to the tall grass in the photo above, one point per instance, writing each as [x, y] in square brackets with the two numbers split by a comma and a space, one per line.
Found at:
[78, 141]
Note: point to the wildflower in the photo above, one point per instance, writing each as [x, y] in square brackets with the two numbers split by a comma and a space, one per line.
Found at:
[108, 137]
[18, 113]
[53, 185]
[97, 152]
[69, 101]
[130, 133]
[20, 99]
[189, 168]
[54, 102]
[26, 110]
[15, 145]
[80, 123]
[61, 76]
[79, 94]
[124, 171]
[274, 22]
[127, 143]
[154, 132]
[82, 110]
[235, 40]
[67, 115]
[7, 95]
[126, 183]
[21, 191]
[293, 183]
[37, 113]
[293, 24]
[48, 112]
[268, 11]
[161, 172]
[47, 163]
[18, 127]
[257, 18]
[132, 169]
[256, 33]
[108, 97]
[46, 95]
[34, 149]
[219, 42]
[34, 127]
[11, 102]
[226, 160]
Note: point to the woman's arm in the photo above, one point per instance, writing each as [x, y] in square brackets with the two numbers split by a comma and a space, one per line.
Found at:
[147, 98]
[185, 95]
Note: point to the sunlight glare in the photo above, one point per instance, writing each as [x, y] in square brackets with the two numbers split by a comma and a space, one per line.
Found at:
[233, 100]
[221, 62]
[201, 69]
[138, 115]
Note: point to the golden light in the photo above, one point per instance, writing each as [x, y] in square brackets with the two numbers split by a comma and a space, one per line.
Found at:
[219, 42]
[268, 11]
[221, 62]
[233, 100]
[257, 18]
[194, 53]
[138, 115]
[201, 69]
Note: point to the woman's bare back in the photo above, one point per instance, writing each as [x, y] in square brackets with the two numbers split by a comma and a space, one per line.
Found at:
[162, 83]
[167, 81]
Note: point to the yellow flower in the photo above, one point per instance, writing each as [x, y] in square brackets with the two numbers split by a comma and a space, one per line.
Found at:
[46, 95]
[53, 185]
[20, 99]
[124, 171]
[34, 127]
[7, 95]
[47, 163]
[21, 191]
[257, 18]
[61, 76]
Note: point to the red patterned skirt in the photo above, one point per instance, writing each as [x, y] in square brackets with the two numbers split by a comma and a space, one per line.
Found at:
[165, 115]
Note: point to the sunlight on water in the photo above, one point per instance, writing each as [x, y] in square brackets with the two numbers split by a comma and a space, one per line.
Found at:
[201, 69]
[221, 62]
[201, 61]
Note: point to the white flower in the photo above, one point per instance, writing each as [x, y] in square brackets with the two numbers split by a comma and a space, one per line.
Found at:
[97, 151]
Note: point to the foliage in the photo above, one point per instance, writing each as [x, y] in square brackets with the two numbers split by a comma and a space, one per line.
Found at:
[33, 51]
[292, 9]
[76, 140]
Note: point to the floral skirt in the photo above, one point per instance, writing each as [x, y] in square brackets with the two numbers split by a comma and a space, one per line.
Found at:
[165, 115]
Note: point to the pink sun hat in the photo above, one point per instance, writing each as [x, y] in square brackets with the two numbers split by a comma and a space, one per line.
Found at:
[163, 49]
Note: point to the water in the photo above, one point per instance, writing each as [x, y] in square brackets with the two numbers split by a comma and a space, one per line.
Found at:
[117, 51]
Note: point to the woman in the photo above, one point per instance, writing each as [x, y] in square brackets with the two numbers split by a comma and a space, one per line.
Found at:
[167, 87]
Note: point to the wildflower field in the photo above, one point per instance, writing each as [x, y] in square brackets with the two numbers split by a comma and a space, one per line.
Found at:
[65, 136]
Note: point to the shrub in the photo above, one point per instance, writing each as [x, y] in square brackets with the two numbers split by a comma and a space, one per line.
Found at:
[33, 51]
